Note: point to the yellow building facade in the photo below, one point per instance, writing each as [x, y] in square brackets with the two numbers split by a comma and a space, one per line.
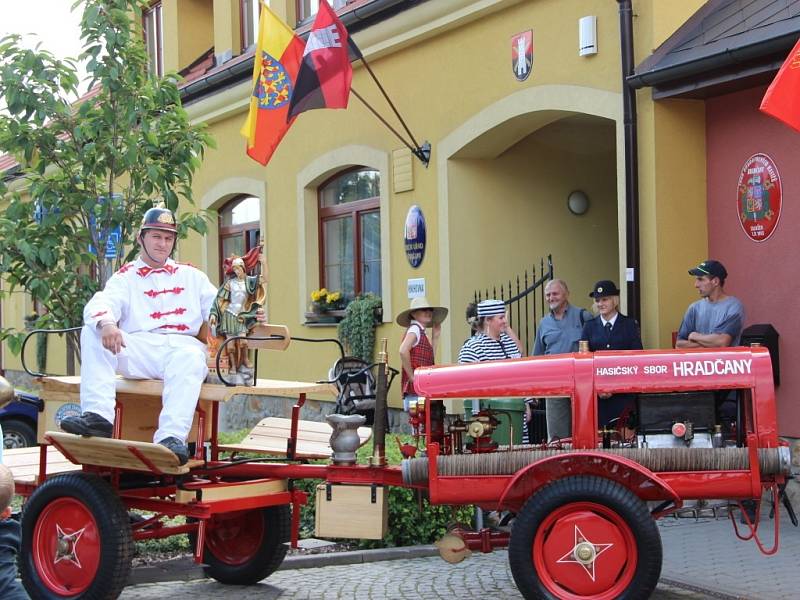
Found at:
[505, 156]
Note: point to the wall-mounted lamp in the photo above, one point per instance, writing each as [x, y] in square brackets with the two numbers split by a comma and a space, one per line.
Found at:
[578, 202]
[587, 36]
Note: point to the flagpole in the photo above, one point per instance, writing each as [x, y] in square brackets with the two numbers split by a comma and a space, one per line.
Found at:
[417, 150]
[382, 120]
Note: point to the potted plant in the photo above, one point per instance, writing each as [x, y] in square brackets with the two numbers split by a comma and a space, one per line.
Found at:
[325, 307]
[357, 328]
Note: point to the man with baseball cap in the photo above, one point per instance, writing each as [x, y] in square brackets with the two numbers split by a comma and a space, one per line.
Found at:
[143, 325]
[716, 320]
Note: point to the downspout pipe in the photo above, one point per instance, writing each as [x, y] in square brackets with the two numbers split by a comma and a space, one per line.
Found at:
[632, 255]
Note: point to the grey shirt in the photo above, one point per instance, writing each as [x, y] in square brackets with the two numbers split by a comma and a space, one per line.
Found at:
[723, 316]
[559, 336]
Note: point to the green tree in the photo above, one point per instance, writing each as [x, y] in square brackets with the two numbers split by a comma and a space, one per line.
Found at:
[87, 168]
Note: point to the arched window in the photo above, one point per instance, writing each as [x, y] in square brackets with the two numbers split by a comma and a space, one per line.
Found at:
[239, 226]
[350, 233]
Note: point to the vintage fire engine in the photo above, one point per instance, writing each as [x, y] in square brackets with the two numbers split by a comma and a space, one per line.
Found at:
[585, 507]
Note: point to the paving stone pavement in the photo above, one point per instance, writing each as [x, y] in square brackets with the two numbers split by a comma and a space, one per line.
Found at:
[485, 576]
[702, 560]
[706, 553]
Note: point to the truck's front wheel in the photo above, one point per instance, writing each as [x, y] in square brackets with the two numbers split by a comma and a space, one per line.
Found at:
[585, 537]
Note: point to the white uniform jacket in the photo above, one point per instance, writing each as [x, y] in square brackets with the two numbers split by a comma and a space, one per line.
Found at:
[173, 299]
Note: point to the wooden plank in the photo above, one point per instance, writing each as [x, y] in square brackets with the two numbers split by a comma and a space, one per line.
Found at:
[350, 513]
[105, 452]
[227, 491]
[270, 434]
[278, 450]
[266, 330]
[139, 416]
[213, 392]
[24, 463]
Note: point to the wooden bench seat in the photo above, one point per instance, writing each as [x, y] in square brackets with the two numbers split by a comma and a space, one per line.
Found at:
[24, 463]
[70, 386]
[122, 454]
[141, 401]
[269, 437]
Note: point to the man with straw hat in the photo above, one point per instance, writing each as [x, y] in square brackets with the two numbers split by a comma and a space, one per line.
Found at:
[415, 349]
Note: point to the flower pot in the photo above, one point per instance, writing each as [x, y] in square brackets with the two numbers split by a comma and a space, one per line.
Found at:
[322, 317]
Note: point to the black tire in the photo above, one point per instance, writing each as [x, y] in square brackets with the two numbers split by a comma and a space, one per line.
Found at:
[546, 538]
[18, 434]
[244, 547]
[95, 562]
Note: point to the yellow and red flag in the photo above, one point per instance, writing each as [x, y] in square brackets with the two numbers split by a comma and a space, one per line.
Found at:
[279, 53]
[782, 99]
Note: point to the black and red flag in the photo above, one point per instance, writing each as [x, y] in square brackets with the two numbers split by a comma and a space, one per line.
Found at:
[325, 73]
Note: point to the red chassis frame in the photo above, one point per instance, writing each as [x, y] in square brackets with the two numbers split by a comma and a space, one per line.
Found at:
[582, 376]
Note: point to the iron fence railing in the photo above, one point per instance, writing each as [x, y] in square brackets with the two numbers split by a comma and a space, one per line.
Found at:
[525, 299]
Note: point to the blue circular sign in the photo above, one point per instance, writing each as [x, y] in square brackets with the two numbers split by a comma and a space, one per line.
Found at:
[415, 236]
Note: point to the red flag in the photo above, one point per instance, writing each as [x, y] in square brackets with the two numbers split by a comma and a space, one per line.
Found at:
[782, 99]
[325, 74]
[276, 63]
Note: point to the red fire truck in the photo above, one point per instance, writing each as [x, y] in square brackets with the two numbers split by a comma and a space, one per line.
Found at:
[586, 507]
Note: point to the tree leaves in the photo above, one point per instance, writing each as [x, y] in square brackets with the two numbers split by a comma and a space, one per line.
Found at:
[130, 140]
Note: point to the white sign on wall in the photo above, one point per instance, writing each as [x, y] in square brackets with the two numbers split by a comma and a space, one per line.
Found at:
[416, 287]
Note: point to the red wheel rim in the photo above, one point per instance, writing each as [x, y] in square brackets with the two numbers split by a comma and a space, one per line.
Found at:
[235, 538]
[585, 550]
[66, 547]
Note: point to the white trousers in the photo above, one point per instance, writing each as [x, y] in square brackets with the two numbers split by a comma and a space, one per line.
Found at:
[178, 360]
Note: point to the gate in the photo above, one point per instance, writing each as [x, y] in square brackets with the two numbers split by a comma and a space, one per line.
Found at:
[526, 306]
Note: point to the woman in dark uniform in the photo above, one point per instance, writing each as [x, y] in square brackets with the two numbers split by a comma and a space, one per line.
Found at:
[611, 330]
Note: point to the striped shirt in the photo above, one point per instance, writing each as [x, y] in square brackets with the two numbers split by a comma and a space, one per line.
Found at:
[480, 347]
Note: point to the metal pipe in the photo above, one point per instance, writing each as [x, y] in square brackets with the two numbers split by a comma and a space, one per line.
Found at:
[771, 461]
[632, 260]
[379, 425]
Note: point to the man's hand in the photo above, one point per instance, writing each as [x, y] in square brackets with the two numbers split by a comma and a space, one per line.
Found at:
[261, 316]
[111, 336]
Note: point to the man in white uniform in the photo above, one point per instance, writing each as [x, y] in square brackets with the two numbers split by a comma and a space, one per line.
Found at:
[143, 325]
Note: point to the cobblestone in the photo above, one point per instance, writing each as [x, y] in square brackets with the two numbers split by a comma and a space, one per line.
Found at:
[485, 576]
[702, 560]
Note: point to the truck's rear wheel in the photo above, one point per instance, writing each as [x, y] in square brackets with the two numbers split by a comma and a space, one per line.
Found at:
[76, 540]
[585, 537]
[247, 546]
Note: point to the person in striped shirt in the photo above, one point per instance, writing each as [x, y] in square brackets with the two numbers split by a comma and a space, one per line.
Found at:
[496, 340]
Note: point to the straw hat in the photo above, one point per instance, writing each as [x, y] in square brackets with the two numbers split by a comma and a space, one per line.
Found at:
[439, 312]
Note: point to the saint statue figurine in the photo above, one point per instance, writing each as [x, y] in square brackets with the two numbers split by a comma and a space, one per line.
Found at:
[234, 310]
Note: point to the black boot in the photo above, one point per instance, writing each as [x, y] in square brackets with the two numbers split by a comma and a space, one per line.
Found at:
[87, 424]
[177, 447]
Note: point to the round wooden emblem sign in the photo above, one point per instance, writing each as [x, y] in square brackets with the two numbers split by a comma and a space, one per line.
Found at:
[759, 197]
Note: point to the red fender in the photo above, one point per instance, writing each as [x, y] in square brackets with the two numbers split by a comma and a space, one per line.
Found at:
[641, 481]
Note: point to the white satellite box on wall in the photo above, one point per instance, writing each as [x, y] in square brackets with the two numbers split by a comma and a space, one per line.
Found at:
[587, 35]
